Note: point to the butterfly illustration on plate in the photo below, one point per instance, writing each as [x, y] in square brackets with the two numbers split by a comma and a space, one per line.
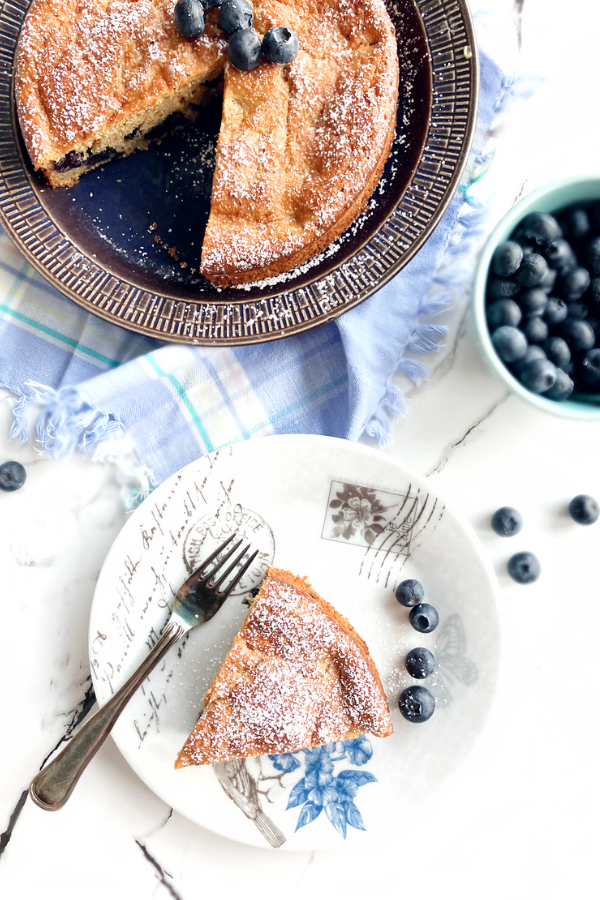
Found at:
[452, 663]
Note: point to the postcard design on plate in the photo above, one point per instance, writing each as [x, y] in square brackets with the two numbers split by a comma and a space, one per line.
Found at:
[354, 523]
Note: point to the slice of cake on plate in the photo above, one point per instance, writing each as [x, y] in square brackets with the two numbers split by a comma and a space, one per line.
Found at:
[297, 676]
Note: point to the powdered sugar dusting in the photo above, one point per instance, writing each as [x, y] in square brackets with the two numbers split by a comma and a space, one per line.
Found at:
[294, 678]
[82, 66]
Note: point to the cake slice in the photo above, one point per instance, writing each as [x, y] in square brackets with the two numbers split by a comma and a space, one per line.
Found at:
[297, 676]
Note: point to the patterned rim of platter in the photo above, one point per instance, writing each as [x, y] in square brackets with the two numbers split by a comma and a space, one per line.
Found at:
[98, 242]
[355, 522]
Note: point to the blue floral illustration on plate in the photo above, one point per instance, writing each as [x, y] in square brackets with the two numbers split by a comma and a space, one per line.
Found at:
[321, 789]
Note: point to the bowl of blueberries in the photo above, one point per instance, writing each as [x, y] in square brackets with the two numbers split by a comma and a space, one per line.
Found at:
[536, 298]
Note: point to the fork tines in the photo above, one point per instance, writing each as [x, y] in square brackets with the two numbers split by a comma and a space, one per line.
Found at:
[206, 578]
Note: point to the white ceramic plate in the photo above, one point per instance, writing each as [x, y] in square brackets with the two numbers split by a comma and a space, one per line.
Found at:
[355, 522]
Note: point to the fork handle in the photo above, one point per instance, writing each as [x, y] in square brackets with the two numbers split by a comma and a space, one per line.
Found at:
[52, 787]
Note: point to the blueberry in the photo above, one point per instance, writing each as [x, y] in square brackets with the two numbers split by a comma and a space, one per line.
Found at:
[538, 376]
[577, 310]
[533, 302]
[504, 312]
[575, 283]
[562, 388]
[416, 703]
[244, 50]
[593, 295]
[535, 330]
[507, 521]
[524, 568]
[507, 258]
[280, 45]
[577, 223]
[189, 18]
[212, 4]
[589, 369]
[556, 311]
[560, 255]
[531, 271]
[424, 618]
[548, 281]
[12, 476]
[410, 592]
[501, 289]
[579, 334]
[510, 343]
[557, 351]
[533, 352]
[584, 510]
[420, 663]
[592, 255]
[540, 228]
[236, 15]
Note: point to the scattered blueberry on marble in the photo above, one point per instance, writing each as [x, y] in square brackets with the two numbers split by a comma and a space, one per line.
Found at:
[410, 592]
[12, 476]
[416, 703]
[507, 521]
[550, 301]
[524, 568]
[280, 45]
[420, 663]
[584, 510]
[424, 618]
[244, 50]
[235, 15]
[189, 18]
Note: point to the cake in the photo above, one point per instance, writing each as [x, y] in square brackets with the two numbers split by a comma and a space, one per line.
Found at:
[297, 676]
[301, 146]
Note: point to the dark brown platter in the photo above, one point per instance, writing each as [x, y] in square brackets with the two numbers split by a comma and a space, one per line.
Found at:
[125, 242]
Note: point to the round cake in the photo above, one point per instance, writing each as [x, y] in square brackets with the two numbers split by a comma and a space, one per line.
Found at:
[301, 146]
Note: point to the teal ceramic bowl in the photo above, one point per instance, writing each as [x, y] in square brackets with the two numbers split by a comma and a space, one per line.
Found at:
[551, 198]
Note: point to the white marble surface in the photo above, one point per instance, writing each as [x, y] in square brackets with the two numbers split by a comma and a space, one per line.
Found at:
[519, 817]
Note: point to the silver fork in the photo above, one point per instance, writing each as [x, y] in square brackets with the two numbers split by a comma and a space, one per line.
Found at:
[197, 601]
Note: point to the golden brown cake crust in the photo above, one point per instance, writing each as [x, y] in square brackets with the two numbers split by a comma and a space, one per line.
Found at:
[83, 65]
[298, 675]
[302, 146]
